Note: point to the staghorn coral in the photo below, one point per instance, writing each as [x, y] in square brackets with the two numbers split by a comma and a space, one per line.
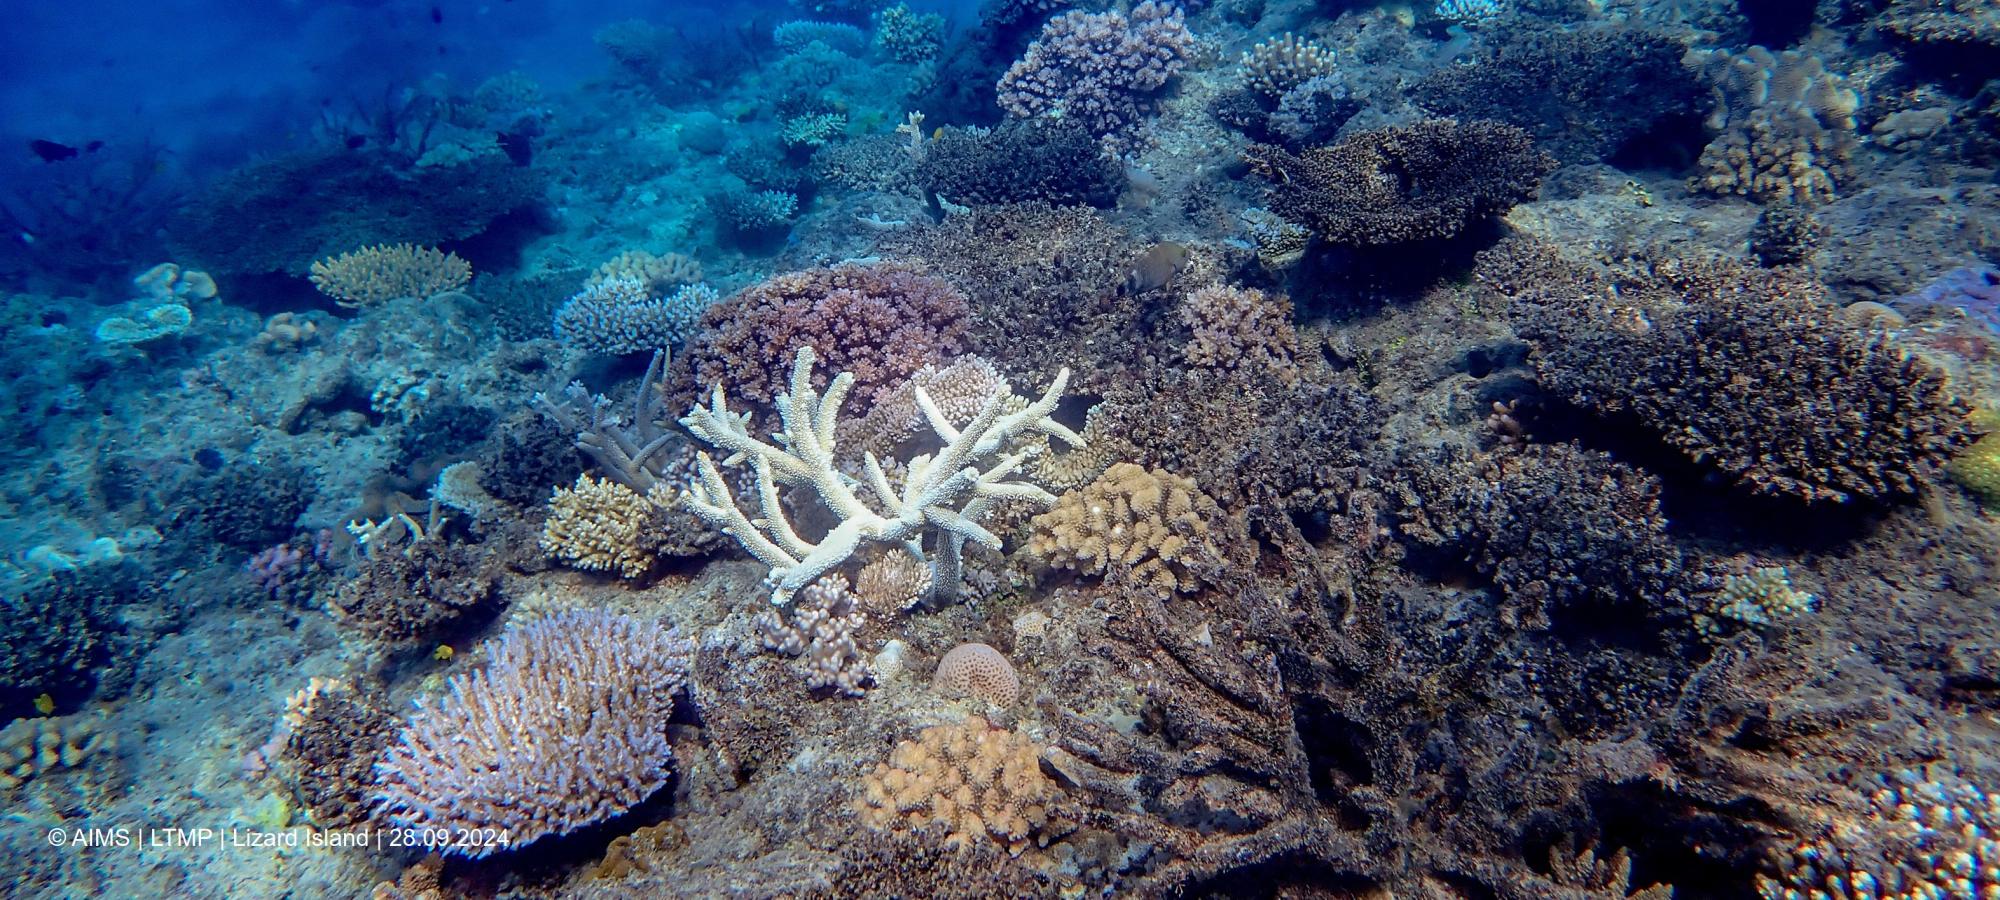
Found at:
[1149, 527]
[881, 322]
[1053, 162]
[958, 391]
[1429, 180]
[617, 316]
[1928, 832]
[601, 526]
[1240, 330]
[820, 625]
[1103, 71]
[1747, 371]
[1274, 67]
[563, 726]
[978, 782]
[1784, 126]
[375, 275]
[943, 495]
[660, 274]
[813, 130]
[633, 450]
[977, 671]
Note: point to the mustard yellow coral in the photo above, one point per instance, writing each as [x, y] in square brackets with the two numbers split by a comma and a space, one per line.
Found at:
[601, 525]
[1977, 468]
[1145, 524]
[977, 781]
[378, 274]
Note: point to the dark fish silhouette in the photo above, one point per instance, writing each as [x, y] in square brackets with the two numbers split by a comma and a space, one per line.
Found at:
[437, 16]
[1155, 267]
[50, 151]
[518, 145]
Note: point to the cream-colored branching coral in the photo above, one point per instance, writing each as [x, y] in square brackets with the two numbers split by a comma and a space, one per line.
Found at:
[1784, 125]
[943, 495]
[659, 274]
[821, 626]
[378, 274]
[892, 582]
[1760, 598]
[976, 781]
[38, 746]
[1132, 522]
[1240, 330]
[1284, 62]
[980, 672]
[601, 525]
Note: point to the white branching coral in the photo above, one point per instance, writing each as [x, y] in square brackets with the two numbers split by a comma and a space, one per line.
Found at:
[944, 494]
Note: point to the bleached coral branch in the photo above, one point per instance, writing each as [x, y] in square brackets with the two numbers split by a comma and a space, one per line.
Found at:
[943, 494]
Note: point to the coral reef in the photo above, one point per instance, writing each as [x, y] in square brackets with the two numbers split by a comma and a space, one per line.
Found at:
[329, 737]
[1784, 126]
[1017, 162]
[35, 747]
[381, 273]
[943, 495]
[1150, 527]
[979, 783]
[879, 322]
[1760, 598]
[521, 748]
[1928, 833]
[1583, 93]
[617, 316]
[601, 525]
[1426, 181]
[1100, 70]
[1710, 358]
[977, 671]
[408, 595]
[660, 274]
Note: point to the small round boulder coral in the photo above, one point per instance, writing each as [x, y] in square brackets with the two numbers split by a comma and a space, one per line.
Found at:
[978, 671]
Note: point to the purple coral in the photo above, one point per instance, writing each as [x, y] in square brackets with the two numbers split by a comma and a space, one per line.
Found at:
[1973, 289]
[1101, 70]
[563, 727]
[881, 322]
[275, 566]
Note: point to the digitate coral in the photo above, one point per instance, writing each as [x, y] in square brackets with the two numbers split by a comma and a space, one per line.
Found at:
[1928, 833]
[407, 596]
[660, 274]
[563, 726]
[41, 746]
[980, 672]
[1425, 181]
[1240, 331]
[374, 275]
[943, 495]
[1151, 527]
[1784, 126]
[820, 625]
[977, 782]
[617, 316]
[601, 525]
[907, 36]
[1763, 597]
[880, 322]
[1101, 70]
[1275, 66]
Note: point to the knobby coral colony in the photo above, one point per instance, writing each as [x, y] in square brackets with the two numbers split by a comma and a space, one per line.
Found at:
[1473, 449]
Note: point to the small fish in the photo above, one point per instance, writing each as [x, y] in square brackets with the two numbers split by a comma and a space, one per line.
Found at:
[437, 16]
[1155, 267]
[517, 145]
[50, 151]
[355, 141]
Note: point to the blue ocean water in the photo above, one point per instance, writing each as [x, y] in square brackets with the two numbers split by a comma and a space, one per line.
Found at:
[1015, 448]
